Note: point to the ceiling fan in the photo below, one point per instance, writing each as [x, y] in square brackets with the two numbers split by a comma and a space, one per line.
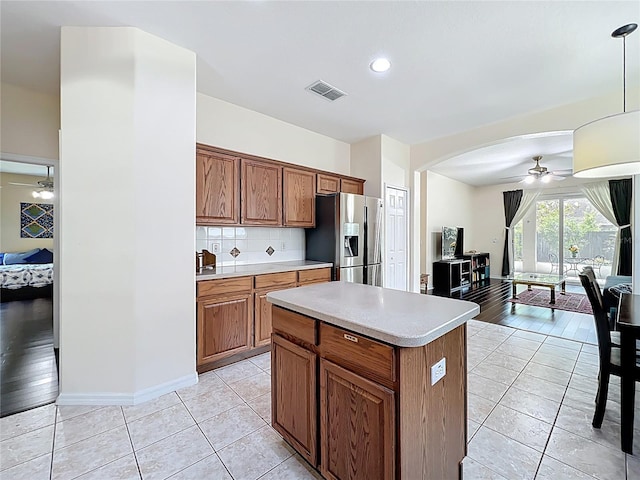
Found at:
[45, 186]
[542, 174]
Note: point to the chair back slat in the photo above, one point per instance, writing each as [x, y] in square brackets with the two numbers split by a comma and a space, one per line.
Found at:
[592, 289]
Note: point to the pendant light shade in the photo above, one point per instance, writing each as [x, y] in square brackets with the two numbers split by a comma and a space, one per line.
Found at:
[610, 146]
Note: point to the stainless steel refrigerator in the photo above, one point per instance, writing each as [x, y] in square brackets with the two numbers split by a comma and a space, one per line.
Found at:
[348, 233]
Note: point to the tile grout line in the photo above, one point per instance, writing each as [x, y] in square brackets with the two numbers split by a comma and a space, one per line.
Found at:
[53, 442]
[133, 449]
[215, 452]
[553, 426]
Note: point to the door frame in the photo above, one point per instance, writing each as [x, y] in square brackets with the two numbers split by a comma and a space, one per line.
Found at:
[407, 232]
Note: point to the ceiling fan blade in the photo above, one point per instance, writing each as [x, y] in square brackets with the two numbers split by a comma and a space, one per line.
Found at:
[23, 184]
[562, 173]
[556, 178]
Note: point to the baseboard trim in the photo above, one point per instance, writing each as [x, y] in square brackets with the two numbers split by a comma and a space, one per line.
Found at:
[124, 399]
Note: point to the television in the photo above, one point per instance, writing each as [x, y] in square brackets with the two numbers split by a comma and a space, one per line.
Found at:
[452, 242]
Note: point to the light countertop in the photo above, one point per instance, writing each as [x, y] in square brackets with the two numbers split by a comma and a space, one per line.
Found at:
[258, 269]
[399, 318]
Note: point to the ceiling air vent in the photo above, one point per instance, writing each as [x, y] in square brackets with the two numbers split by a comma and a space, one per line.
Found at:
[325, 90]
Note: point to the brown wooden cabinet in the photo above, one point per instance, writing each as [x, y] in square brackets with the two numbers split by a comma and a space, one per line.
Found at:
[357, 426]
[348, 185]
[261, 189]
[316, 275]
[293, 381]
[217, 189]
[224, 326]
[234, 188]
[379, 416]
[299, 205]
[234, 318]
[262, 319]
[328, 183]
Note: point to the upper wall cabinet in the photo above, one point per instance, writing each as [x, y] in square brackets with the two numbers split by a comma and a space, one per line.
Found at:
[261, 193]
[299, 206]
[237, 189]
[328, 183]
[351, 186]
[217, 189]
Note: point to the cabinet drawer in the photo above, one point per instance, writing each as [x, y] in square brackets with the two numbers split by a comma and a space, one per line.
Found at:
[314, 276]
[275, 279]
[361, 355]
[224, 286]
[294, 325]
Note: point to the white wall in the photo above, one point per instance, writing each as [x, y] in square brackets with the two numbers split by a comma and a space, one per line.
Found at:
[449, 203]
[222, 124]
[127, 163]
[10, 198]
[366, 162]
[30, 122]
[396, 162]
[566, 117]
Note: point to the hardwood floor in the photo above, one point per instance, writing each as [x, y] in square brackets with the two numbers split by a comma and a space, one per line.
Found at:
[495, 307]
[28, 367]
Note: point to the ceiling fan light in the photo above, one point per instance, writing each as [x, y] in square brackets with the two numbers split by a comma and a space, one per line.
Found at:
[35, 194]
[46, 194]
[546, 179]
[530, 179]
[608, 147]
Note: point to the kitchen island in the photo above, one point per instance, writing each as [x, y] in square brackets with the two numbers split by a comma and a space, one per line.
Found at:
[359, 385]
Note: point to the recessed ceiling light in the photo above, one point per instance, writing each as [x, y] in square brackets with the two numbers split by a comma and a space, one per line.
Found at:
[380, 65]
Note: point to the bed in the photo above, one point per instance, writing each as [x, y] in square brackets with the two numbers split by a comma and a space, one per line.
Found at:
[26, 275]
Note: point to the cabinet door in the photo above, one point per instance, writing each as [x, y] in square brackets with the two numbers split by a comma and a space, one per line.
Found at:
[351, 186]
[217, 189]
[224, 327]
[293, 396]
[261, 193]
[262, 318]
[328, 183]
[357, 426]
[299, 198]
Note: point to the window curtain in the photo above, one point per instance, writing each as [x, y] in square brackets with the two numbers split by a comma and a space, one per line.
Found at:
[599, 195]
[621, 191]
[512, 200]
[516, 206]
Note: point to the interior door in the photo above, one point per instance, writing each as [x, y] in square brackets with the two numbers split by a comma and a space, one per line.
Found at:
[396, 248]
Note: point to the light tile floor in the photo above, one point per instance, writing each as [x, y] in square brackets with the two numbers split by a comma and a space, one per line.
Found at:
[531, 399]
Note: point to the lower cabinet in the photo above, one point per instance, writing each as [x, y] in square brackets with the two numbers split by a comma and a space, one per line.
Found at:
[360, 409]
[357, 426]
[293, 382]
[234, 316]
[340, 419]
[263, 316]
[224, 326]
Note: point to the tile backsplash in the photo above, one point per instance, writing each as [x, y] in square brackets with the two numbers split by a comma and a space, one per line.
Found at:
[251, 244]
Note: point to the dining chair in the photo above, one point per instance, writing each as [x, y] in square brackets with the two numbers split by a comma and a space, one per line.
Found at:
[609, 354]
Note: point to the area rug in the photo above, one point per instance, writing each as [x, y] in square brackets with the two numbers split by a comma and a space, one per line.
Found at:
[571, 302]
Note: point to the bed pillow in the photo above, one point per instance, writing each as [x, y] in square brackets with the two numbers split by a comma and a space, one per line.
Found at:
[17, 258]
[1, 258]
[43, 256]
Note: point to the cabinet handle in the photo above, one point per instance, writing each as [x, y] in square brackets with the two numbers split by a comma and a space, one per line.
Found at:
[351, 338]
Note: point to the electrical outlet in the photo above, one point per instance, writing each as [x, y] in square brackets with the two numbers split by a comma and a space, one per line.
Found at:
[215, 247]
[438, 371]
[284, 246]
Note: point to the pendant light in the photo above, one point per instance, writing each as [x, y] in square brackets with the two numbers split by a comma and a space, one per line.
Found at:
[610, 146]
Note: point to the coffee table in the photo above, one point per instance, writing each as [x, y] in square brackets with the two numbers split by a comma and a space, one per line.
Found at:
[539, 280]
